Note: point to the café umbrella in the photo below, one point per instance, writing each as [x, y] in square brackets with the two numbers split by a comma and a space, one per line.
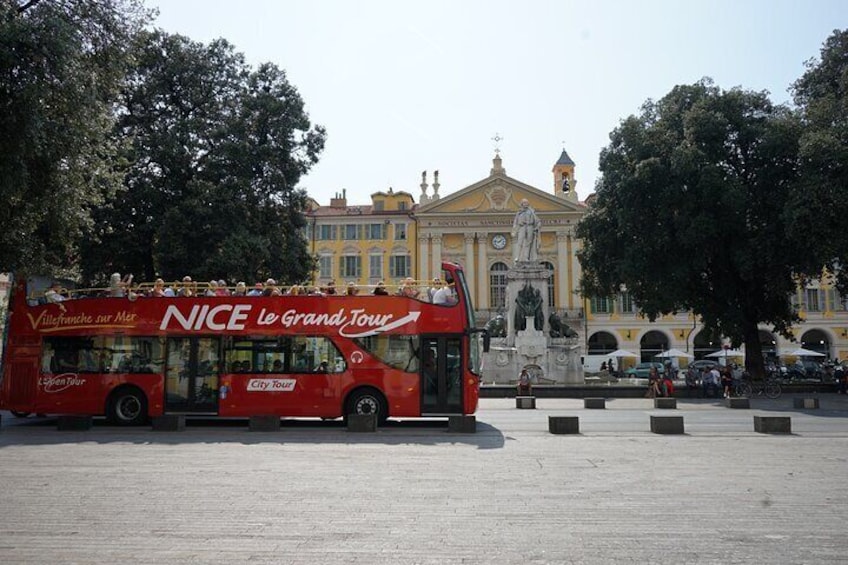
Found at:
[801, 352]
[674, 353]
[725, 353]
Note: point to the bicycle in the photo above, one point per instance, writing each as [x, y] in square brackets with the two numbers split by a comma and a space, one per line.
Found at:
[768, 387]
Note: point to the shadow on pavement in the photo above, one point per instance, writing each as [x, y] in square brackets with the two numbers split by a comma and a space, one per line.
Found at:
[43, 431]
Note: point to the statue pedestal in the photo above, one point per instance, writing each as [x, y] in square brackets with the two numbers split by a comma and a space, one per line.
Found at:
[531, 343]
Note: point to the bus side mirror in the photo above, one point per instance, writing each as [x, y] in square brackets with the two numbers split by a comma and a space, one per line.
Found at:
[487, 341]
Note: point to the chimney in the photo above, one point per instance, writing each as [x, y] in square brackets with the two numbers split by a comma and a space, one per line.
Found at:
[340, 200]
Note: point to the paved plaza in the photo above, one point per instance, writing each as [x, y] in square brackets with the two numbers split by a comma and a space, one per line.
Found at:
[314, 493]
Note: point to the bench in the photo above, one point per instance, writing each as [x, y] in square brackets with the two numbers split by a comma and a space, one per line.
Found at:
[563, 424]
[73, 422]
[667, 424]
[595, 403]
[773, 424]
[525, 402]
[264, 423]
[169, 423]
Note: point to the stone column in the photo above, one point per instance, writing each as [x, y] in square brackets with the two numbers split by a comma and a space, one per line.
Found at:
[482, 272]
[469, 264]
[564, 270]
[423, 273]
[437, 257]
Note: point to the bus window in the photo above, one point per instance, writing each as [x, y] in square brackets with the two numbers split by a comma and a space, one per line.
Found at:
[397, 351]
[296, 354]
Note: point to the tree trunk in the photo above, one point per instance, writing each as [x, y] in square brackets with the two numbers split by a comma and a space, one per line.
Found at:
[754, 352]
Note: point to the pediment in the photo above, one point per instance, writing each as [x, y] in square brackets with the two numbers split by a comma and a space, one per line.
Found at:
[497, 194]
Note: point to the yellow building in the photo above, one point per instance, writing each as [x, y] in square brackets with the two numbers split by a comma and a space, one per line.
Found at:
[394, 237]
[363, 244]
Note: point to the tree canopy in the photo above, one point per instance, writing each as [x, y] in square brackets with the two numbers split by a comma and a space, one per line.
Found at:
[61, 65]
[689, 212]
[217, 149]
[818, 211]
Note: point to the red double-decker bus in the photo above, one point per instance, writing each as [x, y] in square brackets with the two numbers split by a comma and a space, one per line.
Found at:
[321, 356]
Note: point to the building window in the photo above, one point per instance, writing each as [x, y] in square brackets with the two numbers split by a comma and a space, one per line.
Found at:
[326, 233]
[374, 231]
[379, 205]
[401, 206]
[551, 285]
[625, 303]
[399, 266]
[497, 285]
[400, 231]
[351, 232]
[375, 266]
[600, 305]
[325, 267]
[350, 266]
[813, 300]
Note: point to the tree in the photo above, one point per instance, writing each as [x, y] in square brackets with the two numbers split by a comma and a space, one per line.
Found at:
[689, 212]
[61, 64]
[217, 151]
[818, 211]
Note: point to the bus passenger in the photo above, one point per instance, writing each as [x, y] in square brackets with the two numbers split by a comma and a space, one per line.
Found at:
[271, 288]
[241, 289]
[222, 288]
[351, 289]
[380, 289]
[186, 288]
[408, 288]
[213, 288]
[323, 367]
[256, 290]
[331, 287]
[118, 287]
[54, 293]
[158, 290]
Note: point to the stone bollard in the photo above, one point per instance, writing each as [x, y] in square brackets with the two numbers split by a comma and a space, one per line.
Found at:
[773, 424]
[525, 402]
[362, 423]
[169, 423]
[667, 424]
[663, 402]
[264, 423]
[563, 424]
[806, 403]
[737, 402]
[73, 423]
[595, 403]
[462, 424]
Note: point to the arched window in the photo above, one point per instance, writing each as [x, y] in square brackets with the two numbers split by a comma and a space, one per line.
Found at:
[497, 286]
[551, 285]
[653, 343]
[601, 343]
[769, 345]
[705, 343]
[818, 341]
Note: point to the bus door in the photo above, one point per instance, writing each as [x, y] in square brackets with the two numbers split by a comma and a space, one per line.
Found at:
[441, 375]
[191, 374]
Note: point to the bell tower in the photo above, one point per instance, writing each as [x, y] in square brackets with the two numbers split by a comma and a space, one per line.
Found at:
[565, 184]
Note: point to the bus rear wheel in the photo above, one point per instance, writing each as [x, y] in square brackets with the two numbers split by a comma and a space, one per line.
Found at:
[368, 401]
[17, 414]
[127, 407]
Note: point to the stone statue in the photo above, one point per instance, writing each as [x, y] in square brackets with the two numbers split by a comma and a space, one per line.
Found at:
[528, 303]
[525, 231]
[558, 328]
[496, 326]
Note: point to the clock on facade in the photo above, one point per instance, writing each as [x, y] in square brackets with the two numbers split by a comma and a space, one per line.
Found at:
[499, 241]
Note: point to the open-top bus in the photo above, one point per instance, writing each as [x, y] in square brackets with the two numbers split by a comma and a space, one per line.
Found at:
[292, 356]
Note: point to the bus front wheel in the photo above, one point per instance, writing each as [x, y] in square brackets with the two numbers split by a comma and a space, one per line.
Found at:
[127, 406]
[368, 401]
[17, 414]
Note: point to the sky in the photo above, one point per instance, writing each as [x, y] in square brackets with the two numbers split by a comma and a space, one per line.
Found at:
[405, 87]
